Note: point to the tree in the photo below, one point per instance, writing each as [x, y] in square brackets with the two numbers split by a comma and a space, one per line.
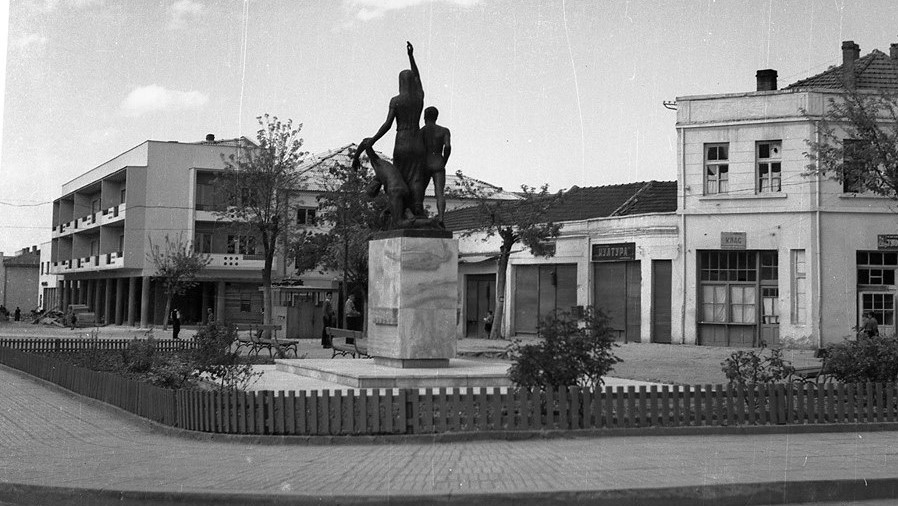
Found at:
[177, 265]
[522, 221]
[257, 184]
[858, 142]
[347, 218]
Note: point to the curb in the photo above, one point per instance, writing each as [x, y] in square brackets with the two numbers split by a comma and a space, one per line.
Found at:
[460, 437]
[742, 494]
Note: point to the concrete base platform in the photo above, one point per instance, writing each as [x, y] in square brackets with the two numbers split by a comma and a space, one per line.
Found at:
[364, 373]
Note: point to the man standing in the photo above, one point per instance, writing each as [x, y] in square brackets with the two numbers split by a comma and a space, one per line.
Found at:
[175, 323]
[438, 148]
[329, 317]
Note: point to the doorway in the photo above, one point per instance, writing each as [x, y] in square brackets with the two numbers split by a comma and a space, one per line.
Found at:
[480, 298]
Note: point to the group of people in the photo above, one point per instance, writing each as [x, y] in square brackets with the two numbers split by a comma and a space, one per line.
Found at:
[4, 314]
[329, 316]
[419, 154]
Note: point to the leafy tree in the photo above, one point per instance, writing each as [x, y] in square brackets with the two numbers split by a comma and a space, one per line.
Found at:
[257, 184]
[574, 351]
[858, 141]
[347, 217]
[522, 221]
[177, 266]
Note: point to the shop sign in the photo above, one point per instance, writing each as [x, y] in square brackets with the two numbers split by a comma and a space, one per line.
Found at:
[887, 242]
[732, 240]
[614, 252]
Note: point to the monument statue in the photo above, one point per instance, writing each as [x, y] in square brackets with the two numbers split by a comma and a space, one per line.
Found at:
[437, 148]
[405, 180]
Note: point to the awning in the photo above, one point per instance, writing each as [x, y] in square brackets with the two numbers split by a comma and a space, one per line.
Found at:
[475, 259]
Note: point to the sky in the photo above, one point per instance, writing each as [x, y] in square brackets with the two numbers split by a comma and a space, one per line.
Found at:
[535, 92]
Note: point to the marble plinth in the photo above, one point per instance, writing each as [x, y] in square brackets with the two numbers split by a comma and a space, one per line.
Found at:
[364, 373]
[413, 298]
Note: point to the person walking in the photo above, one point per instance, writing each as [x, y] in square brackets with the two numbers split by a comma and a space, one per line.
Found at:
[329, 318]
[175, 323]
[17, 314]
[869, 326]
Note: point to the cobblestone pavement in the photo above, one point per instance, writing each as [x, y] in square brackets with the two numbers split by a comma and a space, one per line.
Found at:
[51, 438]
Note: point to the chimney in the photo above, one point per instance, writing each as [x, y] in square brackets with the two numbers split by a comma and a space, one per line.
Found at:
[893, 51]
[210, 137]
[850, 53]
[33, 249]
[766, 80]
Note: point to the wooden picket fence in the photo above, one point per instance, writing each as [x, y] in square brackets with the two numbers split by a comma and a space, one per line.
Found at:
[71, 345]
[433, 411]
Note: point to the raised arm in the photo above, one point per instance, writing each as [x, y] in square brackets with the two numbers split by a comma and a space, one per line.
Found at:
[411, 61]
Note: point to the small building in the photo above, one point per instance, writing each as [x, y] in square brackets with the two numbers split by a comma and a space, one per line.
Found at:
[18, 279]
[615, 251]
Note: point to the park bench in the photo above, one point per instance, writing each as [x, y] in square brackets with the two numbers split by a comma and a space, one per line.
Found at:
[253, 338]
[812, 373]
[353, 344]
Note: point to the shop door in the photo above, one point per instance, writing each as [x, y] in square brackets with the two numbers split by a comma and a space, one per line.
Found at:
[617, 291]
[770, 315]
[480, 298]
[883, 306]
[661, 301]
[540, 290]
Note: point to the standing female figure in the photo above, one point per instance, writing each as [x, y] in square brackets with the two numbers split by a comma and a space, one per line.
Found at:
[408, 151]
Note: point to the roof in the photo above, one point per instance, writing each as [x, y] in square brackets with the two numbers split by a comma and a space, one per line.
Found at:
[872, 71]
[30, 259]
[316, 166]
[578, 204]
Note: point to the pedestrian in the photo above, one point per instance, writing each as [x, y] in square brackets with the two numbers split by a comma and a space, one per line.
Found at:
[17, 314]
[869, 326]
[488, 323]
[329, 317]
[353, 317]
[73, 318]
[210, 316]
[175, 323]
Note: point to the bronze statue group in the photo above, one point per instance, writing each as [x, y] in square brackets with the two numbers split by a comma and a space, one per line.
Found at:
[419, 155]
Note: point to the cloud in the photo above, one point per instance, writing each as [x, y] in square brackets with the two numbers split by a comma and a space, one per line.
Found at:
[366, 10]
[152, 98]
[46, 6]
[29, 42]
[182, 12]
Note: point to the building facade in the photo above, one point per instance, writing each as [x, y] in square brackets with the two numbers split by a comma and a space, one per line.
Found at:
[18, 277]
[773, 255]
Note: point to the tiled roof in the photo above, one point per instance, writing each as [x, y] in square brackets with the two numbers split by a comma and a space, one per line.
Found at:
[873, 71]
[591, 202]
[317, 168]
[30, 259]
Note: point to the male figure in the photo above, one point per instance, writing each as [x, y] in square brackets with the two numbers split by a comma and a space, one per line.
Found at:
[175, 323]
[328, 317]
[438, 147]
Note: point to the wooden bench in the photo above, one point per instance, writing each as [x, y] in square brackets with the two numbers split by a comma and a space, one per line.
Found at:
[812, 373]
[254, 340]
[354, 343]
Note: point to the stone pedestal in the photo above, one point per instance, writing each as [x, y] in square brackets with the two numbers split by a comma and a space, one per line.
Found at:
[412, 298]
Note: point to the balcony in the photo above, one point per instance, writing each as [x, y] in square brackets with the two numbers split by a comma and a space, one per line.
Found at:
[64, 229]
[114, 214]
[114, 260]
[236, 261]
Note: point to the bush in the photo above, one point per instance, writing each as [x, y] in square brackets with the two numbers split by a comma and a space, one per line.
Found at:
[752, 367]
[874, 359]
[138, 356]
[574, 351]
[214, 361]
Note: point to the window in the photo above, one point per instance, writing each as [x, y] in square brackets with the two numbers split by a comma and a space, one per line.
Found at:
[853, 166]
[876, 267]
[882, 305]
[769, 166]
[729, 266]
[241, 244]
[123, 196]
[305, 216]
[247, 197]
[717, 168]
[203, 243]
[94, 206]
[246, 304]
[742, 303]
[121, 243]
[769, 265]
[770, 307]
[799, 287]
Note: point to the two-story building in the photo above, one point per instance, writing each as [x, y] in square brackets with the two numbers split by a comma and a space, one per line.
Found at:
[772, 254]
[107, 220]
